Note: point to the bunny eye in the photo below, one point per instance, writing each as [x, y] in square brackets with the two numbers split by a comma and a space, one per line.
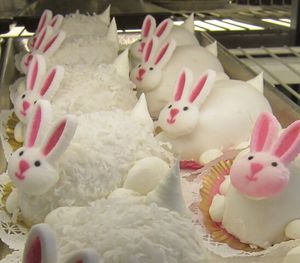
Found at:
[250, 158]
[140, 40]
[35, 102]
[37, 163]
[139, 65]
[151, 68]
[274, 164]
[21, 153]
[185, 108]
[170, 106]
[23, 96]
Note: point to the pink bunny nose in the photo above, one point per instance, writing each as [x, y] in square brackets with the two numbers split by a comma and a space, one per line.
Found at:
[256, 167]
[142, 46]
[23, 166]
[174, 112]
[26, 105]
[141, 72]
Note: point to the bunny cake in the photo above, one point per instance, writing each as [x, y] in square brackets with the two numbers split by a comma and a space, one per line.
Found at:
[63, 50]
[165, 31]
[107, 147]
[206, 118]
[78, 89]
[126, 227]
[155, 76]
[259, 201]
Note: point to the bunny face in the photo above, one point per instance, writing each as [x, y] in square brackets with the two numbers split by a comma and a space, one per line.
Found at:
[180, 117]
[264, 172]
[259, 175]
[148, 74]
[27, 167]
[39, 85]
[32, 167]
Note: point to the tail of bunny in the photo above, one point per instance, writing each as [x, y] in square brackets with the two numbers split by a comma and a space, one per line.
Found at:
[41, 247]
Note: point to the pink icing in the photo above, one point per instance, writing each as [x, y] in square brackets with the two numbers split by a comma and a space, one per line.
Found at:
[41, 38]
[34, 253]
[35, 127]
[148, 50]
[161, 28]
[198, 88]
[146, 28]
[180, 87]
[50, 43]
[52, 142]
[161, 53]
[47, 82]
[42, 21]
[25, 105]
[33, 75]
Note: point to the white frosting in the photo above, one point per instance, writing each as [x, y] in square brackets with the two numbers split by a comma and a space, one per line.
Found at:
[225, 119]
[263, 222]
[129, 231]
[105, 146]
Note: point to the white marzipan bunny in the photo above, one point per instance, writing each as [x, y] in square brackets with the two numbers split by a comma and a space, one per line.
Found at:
[107, 147]
[78, 89]
[260, 203]
[155, 76]
[209, 117]
[149, 229]
[62, 50]
[73, 24]
[165, 31]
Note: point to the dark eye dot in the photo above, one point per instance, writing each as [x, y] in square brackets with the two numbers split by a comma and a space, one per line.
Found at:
[170, 106]
[140, 40]
[139, 65]
[21, 153]
[23, 96]
[35, 102]
[185, 108]
[151, 68]
[274, 164]
[37, 163]
[250, 158]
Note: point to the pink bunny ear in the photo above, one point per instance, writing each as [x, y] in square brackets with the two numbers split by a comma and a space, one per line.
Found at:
[203, 88]
[287, 147]
[264, 132]
[84, 256]
[51, 82]
[38, 122]
[54, 43]
[165, 53]
[149, 26]
[36, 72]
[44, 20]
[183, 83]
[164, 29]
[59, 138]
[42, 38]
[148, 50]
[56, 22]
[40, 246]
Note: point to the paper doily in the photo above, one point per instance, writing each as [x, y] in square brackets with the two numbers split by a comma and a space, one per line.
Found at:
[14, 257]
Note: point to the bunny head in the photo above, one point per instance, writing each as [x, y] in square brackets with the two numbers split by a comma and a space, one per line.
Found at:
[180, 117]
[264, 173]
[45, 20]
[148, 30]
[32, 167]
[47, 43]
[41, 247]
[147, 75]
[39, 85]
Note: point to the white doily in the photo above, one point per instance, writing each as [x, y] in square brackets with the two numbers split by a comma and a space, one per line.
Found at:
[14, 257]
[4, 115]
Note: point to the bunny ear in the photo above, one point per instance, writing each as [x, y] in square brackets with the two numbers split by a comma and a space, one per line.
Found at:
[287, 147]
[203, 88]
[38, 123]
[36, 72]
[165, 53]
[54, 43]
[40, 246]
[164, 29]
[149, 26]
[84, 256]
[183, 83]
[42, 38]
[51, 82]
[189, 23]
[264, 132]
[44, 20]
[56, 22]
[59, 138]
[149, 49]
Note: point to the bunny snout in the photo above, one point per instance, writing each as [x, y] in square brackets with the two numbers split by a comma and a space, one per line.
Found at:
[25, 107]
[173, 114]
[141, 73]
[255, 168]
[23, 167]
